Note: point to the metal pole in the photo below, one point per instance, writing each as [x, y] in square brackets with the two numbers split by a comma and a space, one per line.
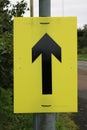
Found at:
[44, 121]
[31, 8]
[44, 8]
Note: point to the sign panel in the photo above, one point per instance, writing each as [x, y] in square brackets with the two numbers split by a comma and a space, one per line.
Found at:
[45, 64]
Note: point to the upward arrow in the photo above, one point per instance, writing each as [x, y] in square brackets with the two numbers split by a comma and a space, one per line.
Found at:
[45, 46]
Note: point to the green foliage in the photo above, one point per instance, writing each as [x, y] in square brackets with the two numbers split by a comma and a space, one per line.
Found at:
[64, 122]
[82, 37]
[85, 38]
[8, 11]
[19, 9]
[9, 120]
[5, 17]
[6, 39]
[83, 50]
[82, 57]
[6, 60]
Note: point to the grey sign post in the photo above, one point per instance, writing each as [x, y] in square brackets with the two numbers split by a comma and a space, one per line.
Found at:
[44, 121]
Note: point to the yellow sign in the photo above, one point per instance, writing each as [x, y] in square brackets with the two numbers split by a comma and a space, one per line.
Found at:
[45, 64]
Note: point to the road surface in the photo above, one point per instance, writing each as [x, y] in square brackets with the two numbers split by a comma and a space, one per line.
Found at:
[81, 117]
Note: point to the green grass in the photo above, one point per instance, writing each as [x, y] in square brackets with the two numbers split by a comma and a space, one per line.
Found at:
[82, 57]
[82, 54]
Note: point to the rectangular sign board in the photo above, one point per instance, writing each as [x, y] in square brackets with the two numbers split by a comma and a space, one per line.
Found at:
[45, 64]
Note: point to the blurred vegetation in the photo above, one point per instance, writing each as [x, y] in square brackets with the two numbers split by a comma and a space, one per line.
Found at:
[82, 57]
[9, 120]
[82, 40]
[7, 13]
[82, 43]
[65, 122]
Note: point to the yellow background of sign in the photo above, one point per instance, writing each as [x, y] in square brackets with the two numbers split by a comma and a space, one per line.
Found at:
[28, 96]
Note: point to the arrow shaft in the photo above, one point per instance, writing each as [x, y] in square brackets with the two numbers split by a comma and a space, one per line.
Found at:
[46, 74]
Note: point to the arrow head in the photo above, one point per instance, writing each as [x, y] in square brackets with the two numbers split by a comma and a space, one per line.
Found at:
[46, 45]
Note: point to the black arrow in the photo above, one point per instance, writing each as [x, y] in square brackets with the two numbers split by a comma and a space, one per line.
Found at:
[46, 45]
